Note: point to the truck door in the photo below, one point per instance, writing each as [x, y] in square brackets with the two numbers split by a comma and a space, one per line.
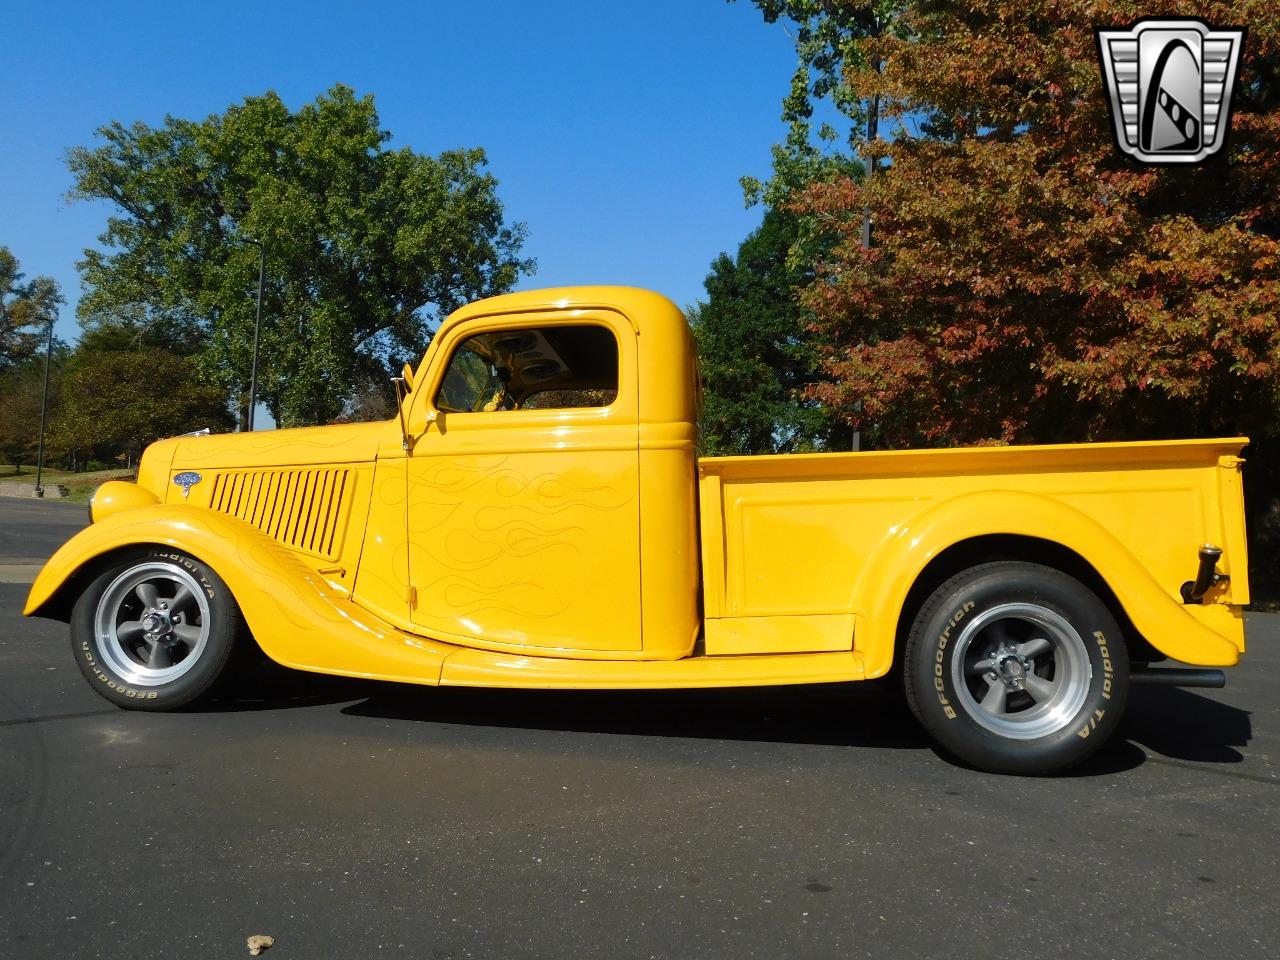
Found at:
[523, 491]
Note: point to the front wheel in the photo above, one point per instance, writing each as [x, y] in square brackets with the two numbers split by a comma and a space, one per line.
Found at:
[154, 630]
[1016, 668]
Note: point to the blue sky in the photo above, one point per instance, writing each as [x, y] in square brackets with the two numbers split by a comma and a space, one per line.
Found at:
[617, 131]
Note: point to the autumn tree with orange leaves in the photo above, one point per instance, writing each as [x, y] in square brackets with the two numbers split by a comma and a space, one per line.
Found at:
[1026, 282]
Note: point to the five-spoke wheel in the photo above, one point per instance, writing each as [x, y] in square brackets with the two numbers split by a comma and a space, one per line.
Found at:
[1021, 670]
[152, 623]
[1016, 667]
[154, 629]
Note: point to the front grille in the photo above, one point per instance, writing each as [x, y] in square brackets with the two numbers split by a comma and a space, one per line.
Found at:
[303, 507]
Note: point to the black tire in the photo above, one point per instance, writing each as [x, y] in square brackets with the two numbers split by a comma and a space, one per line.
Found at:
[157, 655]
[1014, 667]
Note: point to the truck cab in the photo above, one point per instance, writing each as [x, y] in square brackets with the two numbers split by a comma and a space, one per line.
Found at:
[550, 479]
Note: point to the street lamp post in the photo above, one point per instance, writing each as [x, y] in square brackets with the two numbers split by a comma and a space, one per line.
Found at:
[44, 409]
[257, 330]
[873, 128]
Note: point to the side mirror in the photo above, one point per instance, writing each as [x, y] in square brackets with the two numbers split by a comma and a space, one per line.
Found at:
[406, 375]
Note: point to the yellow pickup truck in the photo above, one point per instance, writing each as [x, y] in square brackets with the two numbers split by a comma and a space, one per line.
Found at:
[536, 515]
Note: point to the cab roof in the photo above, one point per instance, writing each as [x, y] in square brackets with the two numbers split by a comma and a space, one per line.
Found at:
[635, 302]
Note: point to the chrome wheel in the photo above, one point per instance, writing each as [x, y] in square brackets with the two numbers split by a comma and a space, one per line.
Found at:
[1021, 670]
[152, 623]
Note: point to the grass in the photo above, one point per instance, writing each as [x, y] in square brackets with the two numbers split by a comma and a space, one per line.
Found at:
[9, 472]
[80, 486]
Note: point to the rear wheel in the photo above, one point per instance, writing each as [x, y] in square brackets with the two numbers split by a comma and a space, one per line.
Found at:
[154, 630]
[1016, 668]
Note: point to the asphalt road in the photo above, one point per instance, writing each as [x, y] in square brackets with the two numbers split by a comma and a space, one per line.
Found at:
[355, 819]
[30, 530]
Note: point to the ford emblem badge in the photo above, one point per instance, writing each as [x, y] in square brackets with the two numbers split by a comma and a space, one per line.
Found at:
[186, 480]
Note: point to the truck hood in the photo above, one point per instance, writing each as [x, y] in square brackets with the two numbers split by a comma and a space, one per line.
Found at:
[302, 446]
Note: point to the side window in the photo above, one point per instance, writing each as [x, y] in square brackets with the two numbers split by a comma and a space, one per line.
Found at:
[539, 368]
[469, 382]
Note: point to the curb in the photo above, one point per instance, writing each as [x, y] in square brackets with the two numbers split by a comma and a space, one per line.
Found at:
[52, 491]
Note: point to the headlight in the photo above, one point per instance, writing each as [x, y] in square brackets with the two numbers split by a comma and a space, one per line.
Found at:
[116, 495]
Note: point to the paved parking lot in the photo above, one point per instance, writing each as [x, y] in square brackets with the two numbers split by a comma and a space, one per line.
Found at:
[349, 818]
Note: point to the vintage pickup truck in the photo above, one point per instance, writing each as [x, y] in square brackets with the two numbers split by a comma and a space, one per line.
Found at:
[537, 516]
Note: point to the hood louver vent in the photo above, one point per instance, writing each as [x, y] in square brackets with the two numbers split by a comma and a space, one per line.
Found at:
[304, 508]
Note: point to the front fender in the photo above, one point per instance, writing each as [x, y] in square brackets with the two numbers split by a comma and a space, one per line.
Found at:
[881, 591]
[296, 617]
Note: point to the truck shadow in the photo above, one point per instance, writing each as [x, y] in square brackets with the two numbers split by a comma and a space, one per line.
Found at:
[1184, 725]
[1172, 722]
[824, 715]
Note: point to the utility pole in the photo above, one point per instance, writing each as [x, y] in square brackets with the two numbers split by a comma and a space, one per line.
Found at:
[257, 332]
[873, 124]
[44, 408]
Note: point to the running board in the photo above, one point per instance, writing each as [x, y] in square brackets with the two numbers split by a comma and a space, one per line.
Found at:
[471, 667]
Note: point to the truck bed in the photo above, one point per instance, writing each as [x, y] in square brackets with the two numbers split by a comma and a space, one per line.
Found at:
[818, 552]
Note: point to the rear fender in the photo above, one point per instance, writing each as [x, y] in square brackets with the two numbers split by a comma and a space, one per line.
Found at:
[1202, 637]
[296, 617]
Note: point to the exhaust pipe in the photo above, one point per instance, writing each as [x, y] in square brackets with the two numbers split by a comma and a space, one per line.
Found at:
[1178, 677]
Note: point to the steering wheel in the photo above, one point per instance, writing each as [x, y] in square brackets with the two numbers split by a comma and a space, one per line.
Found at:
[499, 400]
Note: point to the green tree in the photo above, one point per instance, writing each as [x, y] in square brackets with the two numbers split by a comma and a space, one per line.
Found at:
[366, 245]
[826, 37]
[26, 309]
[755, 359]
[116, 401]
[21, 394]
